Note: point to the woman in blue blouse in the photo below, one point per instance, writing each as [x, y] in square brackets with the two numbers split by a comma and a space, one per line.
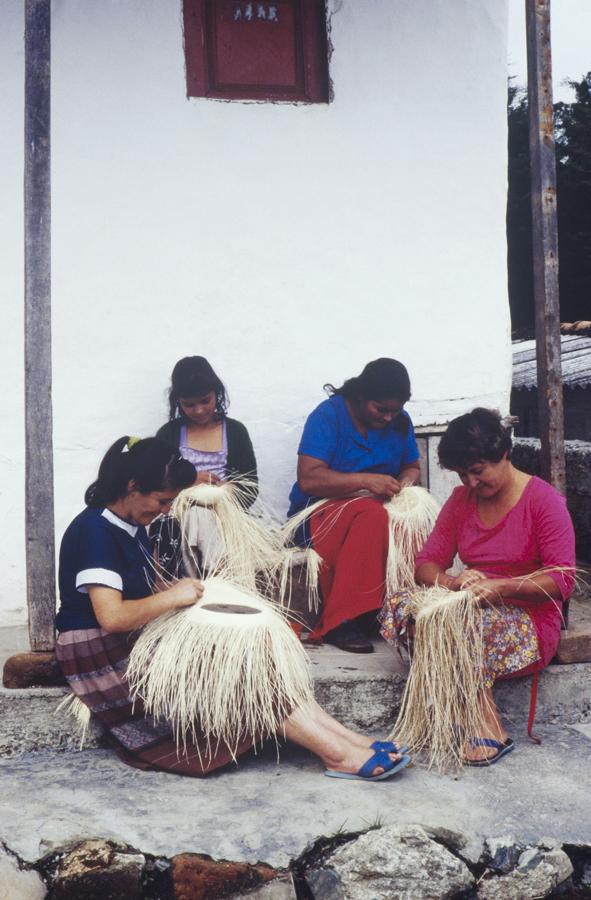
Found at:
[109, 589]
[360, 440]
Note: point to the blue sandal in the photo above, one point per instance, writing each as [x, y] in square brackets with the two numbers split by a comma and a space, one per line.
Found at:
[502, 748]
[389, 747]
[379, 758]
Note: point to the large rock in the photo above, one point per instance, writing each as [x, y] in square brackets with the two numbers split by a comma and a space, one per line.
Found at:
[279, 889]
[197, 877]
[502, 853]
[575, 645]
[17, 883]
[395, 861]
[537, 874]
[96, 870]
[469, 849]
[25, 670]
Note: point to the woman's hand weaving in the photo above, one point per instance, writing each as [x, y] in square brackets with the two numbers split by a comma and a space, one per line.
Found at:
[185, 592]
[488, 591]
[381, 485]
[466, 580]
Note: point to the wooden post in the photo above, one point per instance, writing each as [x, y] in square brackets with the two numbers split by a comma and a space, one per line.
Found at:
[39, 523]
[545, 242]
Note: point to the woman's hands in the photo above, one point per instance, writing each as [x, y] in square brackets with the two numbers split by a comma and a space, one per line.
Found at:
[381, 485]
[387, 486]
[317, 479]
[115, 614]
[490, 590]
[466, 579]
[185, 592]
[486, 590]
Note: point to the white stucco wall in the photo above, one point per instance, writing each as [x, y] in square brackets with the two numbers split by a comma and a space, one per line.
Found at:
[12, 427]
[288, 244]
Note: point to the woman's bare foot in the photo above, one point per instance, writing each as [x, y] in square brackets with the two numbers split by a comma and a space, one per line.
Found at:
[314, 729]
[491, 726]
[350, 758]
[354, 738]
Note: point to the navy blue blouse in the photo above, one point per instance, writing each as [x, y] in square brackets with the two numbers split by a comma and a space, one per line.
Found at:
[99, 548]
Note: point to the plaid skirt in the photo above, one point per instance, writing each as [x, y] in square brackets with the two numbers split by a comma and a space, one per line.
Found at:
[509, 635]
[94, 663]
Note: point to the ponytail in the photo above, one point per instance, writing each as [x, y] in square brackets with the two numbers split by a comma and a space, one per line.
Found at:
[149, 463]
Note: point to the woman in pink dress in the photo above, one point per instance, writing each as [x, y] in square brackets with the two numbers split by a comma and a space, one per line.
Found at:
[505, 525]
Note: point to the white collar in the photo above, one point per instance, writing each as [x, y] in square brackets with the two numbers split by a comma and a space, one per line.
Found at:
[120, 523]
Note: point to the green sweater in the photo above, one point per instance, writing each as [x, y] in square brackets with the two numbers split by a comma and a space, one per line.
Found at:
[241, 458]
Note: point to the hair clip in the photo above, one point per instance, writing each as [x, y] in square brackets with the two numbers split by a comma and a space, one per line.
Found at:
[130, 443]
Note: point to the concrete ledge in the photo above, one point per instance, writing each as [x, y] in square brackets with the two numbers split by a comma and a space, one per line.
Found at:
[361, 691]
[29, 721]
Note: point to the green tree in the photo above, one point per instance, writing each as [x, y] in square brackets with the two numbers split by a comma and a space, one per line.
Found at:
[573, 173]
[573, 160]
[519, 238]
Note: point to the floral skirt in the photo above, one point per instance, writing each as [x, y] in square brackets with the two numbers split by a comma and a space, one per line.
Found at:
[509, 634]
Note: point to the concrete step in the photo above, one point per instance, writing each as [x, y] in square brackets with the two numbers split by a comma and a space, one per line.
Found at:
[363, 691]
[269, 812]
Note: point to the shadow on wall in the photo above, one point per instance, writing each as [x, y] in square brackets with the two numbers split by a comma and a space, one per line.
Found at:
[526, 456]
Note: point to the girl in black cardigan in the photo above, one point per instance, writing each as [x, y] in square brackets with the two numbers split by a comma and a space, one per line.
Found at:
[219, 448]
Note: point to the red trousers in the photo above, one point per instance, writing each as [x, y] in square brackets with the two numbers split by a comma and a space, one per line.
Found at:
[351, 536]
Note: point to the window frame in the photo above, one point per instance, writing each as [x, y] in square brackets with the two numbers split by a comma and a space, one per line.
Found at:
[311, 56]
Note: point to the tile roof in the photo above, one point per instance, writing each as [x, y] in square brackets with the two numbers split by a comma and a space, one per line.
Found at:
[575, 356]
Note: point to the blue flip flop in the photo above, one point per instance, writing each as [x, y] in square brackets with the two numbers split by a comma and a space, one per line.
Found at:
[379, 758]
[502, 748]
[389, 747]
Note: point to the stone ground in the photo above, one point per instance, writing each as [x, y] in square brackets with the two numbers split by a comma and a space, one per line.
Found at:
[269, 812]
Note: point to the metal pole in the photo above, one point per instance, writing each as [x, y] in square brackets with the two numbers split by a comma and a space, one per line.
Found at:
[545, 242]
[39, 519]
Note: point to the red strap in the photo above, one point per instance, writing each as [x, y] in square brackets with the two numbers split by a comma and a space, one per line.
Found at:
[532, 708]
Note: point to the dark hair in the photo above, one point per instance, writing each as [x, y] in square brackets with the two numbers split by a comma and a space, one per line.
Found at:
[193, 376]
[150, 463]
[477, 435]
[381, 379]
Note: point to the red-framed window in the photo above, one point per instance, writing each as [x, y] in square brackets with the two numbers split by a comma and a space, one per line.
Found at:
[250, 50]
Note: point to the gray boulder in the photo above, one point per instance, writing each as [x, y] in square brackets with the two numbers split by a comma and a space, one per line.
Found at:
[395, 861]
[502, 853]
[537, 874]
[16, 882]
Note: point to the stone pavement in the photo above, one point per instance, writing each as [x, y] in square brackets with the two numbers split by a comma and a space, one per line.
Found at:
[269, 812]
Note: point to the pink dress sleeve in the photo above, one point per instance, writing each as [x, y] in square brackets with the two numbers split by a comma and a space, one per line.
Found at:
[442, 543]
